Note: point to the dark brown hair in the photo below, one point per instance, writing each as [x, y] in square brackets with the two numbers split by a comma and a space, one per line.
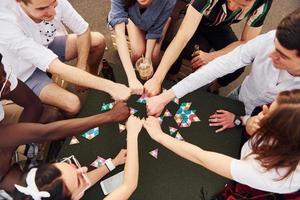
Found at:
[277, 143]
[26, 1]
[48, 178]
[288, 31]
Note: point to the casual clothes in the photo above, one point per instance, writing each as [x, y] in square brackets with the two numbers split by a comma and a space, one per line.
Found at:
[151, 20]
[257, 176]
[23, 42]
[215, 32]
[216, 12]
[260, 87]
[13, 84]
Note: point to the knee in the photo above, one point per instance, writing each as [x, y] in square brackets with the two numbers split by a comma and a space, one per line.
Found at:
[136, 54]
[72, 104]
[98, 41]
[155, 58]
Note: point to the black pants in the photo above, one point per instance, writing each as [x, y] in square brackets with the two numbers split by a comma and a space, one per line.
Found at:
[215, 37]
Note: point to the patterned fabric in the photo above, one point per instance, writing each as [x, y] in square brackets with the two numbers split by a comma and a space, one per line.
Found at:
[234, 191]
[216, 12]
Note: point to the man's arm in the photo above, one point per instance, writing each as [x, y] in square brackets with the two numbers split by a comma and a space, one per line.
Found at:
[23, 133]
[83, 49]
[24, 97]
[85, 79]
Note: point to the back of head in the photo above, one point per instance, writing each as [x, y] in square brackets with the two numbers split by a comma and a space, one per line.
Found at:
[277, 142]
[48, 178]
[288, 31]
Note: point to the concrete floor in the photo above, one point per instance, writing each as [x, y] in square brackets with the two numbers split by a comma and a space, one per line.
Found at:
[95, 13]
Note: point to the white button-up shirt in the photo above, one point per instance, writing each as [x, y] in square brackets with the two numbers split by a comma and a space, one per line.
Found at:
[260, 87]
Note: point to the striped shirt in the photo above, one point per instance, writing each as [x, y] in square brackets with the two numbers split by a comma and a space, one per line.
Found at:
[216, 12]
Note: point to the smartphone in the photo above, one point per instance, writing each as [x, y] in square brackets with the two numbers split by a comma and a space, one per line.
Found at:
[110, 184]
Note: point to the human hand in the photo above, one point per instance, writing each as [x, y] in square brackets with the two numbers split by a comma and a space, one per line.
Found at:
[153, 127]
[201, 58]
[155, 105]
[134, 126]
[152, 87]
[136, 86]
[119, 112]
[253, 123]
[222, 118]
[120, 158]
[119, 92]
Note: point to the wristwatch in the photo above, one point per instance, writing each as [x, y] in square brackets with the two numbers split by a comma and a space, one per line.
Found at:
[237, 121]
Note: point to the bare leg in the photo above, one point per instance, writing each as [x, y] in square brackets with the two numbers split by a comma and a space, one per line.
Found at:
[137, 41]
[56, 96]
[156, 52]
[96, 52]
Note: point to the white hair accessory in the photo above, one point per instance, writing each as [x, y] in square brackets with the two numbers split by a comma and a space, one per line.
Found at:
[31, 188]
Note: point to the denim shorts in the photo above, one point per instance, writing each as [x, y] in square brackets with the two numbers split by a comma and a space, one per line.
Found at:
[58, 46]
[38, 80]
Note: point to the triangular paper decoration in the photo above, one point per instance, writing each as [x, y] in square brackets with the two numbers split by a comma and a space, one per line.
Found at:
[122, 128]
[74, 140]
[172, 130]
[179, 137]
[98, 162]
[160, 120]
[167, 113]
[154, 153]
[107, 106]
[133, 111]
[176, 100]
[91, 133]
[142, 99]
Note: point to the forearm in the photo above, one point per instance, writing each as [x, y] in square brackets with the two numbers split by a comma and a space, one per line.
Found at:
[186, 31]
[131, 172]
[123, 51]
[79, 77]
[149, 48]
[227, 49]
[96, 174]
[170, 56]
[23, 133]
[207, 159]
[132, 163]
[32, 109]
[83, 48]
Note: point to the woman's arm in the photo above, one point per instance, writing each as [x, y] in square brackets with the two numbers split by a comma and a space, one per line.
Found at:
[96, 174]
[213, 161]
[123, 51]
[131, 170]
[22, 133]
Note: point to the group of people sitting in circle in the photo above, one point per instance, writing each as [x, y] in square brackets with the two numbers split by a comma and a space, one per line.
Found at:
[34, 45]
